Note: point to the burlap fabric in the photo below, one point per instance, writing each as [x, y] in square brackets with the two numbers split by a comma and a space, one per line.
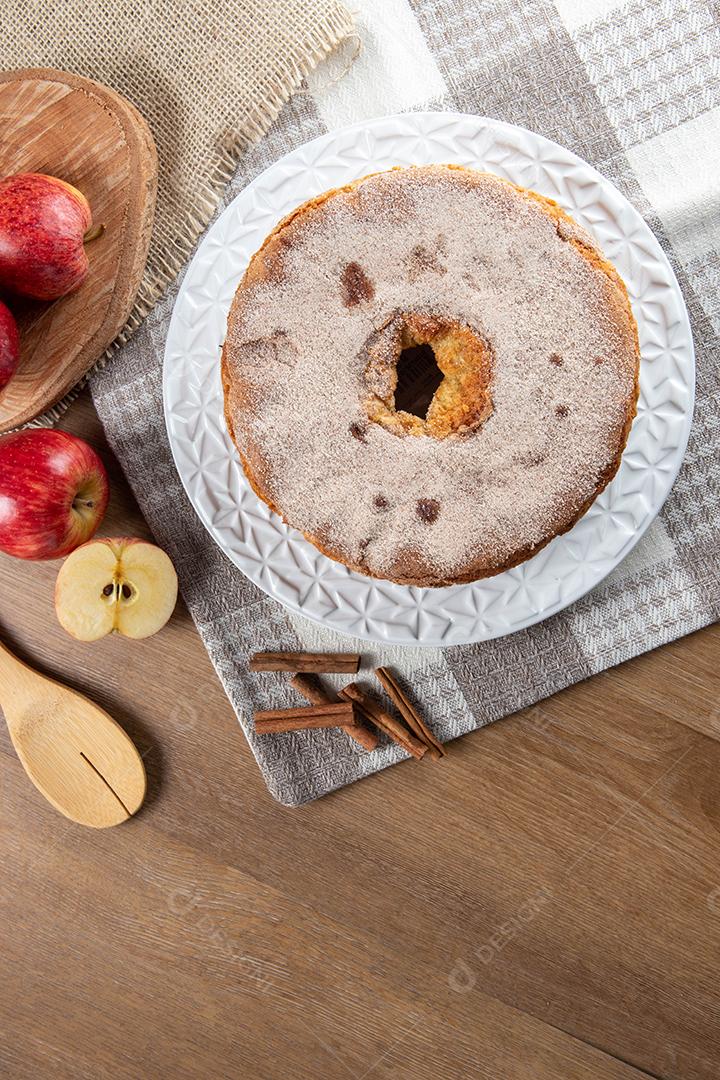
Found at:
[209, 76]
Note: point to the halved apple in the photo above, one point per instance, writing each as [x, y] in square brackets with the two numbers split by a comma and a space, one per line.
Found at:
[121, 585]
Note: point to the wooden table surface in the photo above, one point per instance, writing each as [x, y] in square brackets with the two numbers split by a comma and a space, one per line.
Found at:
[544, 903]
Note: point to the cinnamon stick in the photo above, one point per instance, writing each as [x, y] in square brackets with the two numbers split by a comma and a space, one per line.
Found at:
[311, 688]
[409, 713]
[341, 663]
[382, 719]
[316, 716]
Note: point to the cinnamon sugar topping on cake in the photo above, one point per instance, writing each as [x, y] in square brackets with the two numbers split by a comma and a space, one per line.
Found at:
[427, 510]
[358, 430]
[356, 285]
[513, 287]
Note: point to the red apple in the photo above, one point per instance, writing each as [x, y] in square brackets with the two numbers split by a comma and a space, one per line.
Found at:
[53, 493]
[9, 346]
[43, 223]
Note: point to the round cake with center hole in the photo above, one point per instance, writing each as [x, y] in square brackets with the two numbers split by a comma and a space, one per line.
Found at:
[431, 373]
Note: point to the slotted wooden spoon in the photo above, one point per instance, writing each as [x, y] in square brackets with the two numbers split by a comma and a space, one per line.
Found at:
[72, 750]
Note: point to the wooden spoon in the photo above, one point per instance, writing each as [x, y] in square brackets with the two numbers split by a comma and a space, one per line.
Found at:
[73, 751]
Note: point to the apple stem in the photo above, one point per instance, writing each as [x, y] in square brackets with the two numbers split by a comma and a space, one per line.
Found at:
[93, 233]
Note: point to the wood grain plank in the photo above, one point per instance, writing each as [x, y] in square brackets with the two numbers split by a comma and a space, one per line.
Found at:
[551, 893]
[211, 965]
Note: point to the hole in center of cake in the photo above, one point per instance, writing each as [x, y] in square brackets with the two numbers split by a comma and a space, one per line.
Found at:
[428, 375]
[418, 377]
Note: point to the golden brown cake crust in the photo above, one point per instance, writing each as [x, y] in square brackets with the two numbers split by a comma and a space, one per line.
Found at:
[464, 527]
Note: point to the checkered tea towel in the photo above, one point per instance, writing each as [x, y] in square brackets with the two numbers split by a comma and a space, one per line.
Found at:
[632, 87]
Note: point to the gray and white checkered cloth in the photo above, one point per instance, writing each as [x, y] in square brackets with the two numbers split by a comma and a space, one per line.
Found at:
[634, 88]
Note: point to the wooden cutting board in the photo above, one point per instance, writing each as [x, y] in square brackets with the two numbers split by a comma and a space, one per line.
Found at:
[58, 123]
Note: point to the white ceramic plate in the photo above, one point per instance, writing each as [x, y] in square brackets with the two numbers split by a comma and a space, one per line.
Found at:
[276, 557]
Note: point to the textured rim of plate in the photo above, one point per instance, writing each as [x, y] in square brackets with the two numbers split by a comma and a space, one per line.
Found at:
[278, 559]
